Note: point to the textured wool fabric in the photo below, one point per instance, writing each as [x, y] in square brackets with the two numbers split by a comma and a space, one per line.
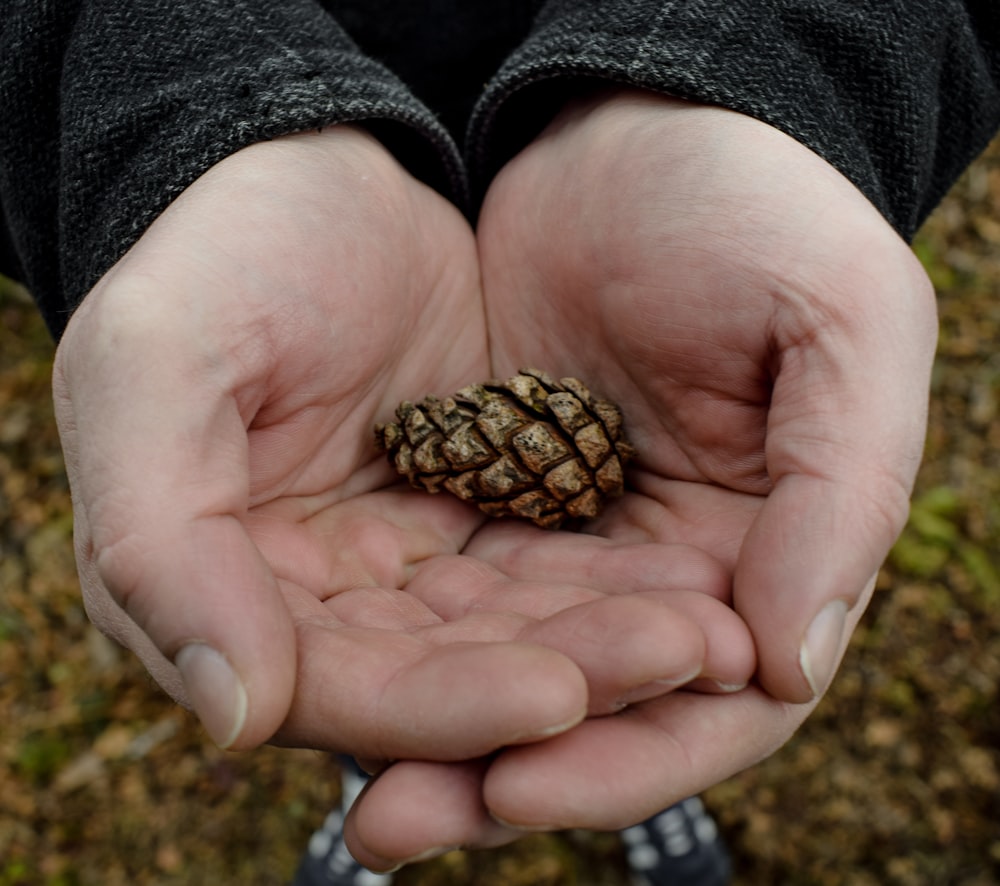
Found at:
[112, 107]
[899, 95]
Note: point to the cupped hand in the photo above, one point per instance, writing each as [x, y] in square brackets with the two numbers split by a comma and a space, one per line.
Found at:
[215, 395]
[769, 338]
[235, 526]
[765, 330]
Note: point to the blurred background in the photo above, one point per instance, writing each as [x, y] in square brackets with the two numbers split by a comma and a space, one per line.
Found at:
[894, 780]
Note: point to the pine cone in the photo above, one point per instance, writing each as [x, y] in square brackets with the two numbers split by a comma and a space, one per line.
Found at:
[528, 447]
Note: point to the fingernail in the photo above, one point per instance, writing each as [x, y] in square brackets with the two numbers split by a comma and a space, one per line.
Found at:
[729, 688]
[390, 867]
[525, 828]
[710, 686]
[533, 735]
[818, 655]
[215, 692]
[652, 689]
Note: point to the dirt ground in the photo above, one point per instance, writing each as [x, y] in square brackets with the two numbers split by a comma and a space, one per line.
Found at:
[894, 780]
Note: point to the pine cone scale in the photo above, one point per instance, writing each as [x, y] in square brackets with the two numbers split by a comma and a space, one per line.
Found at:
[498, 420]
[569, 411]
[610, 476]
[539, 447]
[567, 480]
[466, 448]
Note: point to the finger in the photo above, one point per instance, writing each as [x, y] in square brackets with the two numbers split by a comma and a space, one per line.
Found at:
[607, 566]
[679, 575]
[628, 648]
[417, 810]
[429, 693]
[637, 647]
[608, 773]
[845, 438]
[376, 539]
[453, 587]
[553, 571]
[612, 772]
[730, 659]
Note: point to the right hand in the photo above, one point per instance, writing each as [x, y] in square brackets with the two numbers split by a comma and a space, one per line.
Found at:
[770, 340]
[234, 525]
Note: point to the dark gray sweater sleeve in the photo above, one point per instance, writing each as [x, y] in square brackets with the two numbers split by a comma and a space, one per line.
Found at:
[899, 95]
[113, 107]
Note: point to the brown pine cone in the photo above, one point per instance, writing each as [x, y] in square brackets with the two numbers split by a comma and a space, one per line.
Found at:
[529, 447]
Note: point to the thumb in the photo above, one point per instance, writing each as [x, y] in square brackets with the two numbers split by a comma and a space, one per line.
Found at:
[199, 606]
[804, 575]
[156, 452]
[845, 436]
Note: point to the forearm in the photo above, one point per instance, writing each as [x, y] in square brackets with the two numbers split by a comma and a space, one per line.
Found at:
[899, 96]
[112, 110]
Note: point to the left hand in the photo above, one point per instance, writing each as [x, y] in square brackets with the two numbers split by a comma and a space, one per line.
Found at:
[770, 339]
[235, 526]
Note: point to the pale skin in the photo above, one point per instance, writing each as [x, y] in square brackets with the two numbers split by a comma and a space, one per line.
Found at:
[766, 333]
